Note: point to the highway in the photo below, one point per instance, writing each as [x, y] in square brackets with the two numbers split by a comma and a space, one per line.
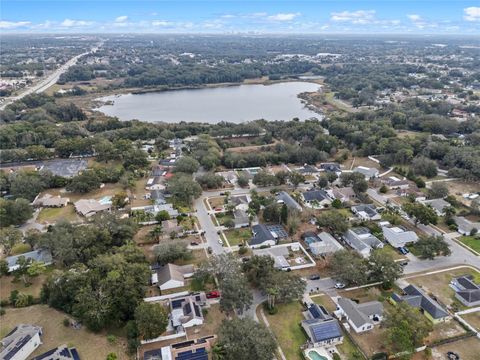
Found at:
[47, 81]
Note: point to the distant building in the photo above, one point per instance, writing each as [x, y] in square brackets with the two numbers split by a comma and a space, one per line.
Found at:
[50, 201]
[344, 194]
[285, 198]
[439, 205]
[63, 352]
[369, 173]
[398, 236]
[361, 317]
[171, 276]
[240, 201]
[19, 343]
[394, 183]
[466, 226]
[331, 167]
[466, 290]
[43, 256]
[366, 212]
[362, 241]
[155, 209]
[321, 244]
[241, 219]
[417, 298]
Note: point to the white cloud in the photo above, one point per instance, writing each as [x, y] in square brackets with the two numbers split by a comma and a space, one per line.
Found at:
[13, 24]
[414, 17]
[283, 16]
[471, 13]
[420, 22]
[75, 23]
[161, 23]
[354, 17]
[228, 16]
[121, 19]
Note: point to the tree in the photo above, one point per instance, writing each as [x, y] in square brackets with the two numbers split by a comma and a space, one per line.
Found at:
[14, 212]
[3, 267]
[106, 151]
[256, 341]
[169, 251]
[210, 181]
[383, 189]
[120, 200]
[162, 216]
[438, 190]
[84, 182]
[422, 214]
[187, 165]
[424, 166]
[334, 220]
[296, 178]
[183, 188]
[356, 180]
[151, 319]
[263, 178]
[27, 268]
[432, 246]
[406, 328]
[156, 232]
[337, 204]
[242, 181]
[229, 223]
[259, 269]
[383, 268]
[135, 159]
[322, 181]
[349, 267]
[9, 236]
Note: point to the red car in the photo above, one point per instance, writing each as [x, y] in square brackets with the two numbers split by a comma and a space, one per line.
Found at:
[213, 294]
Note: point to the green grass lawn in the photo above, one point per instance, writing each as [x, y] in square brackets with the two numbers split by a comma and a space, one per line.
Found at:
[471, 242]
[389, 250]
[348, 349]
[52, 215]
[222, 217]
[286, 326]
[326, 302]
[238, 236]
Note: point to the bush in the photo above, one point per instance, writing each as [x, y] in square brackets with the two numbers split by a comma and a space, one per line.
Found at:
[335, 356]
[242, 250]
[112, 339]
[66, 322]
[20, 249]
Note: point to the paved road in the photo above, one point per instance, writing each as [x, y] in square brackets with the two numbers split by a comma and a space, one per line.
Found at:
[48, 81]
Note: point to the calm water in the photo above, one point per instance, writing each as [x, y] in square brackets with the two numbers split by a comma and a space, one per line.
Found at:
[233, 104]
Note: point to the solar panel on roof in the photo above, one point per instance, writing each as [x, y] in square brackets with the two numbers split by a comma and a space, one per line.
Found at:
[326, 330]
[176, 303]
[75, 354]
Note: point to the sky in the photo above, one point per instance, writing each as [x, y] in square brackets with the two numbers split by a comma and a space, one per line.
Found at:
[261, 16]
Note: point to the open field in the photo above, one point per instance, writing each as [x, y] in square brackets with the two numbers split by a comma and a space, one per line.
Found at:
[88, 344]
[437, 284]
[445, 330]
[238, 236]
[362, 295]
[286, 326]
[53, 215]
[471, 242]
[473, 319]
[361, 161]
[458, 188]
[467, 349]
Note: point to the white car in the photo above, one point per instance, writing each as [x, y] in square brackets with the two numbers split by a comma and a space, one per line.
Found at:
[339, 285]
[220, 241]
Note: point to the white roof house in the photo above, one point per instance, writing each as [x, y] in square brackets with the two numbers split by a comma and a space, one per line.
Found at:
[398, 236]
[366, 212]
[19, 343]
[369, 173]
[439, 205]
[466, 226]
[362, 241]
[361, 317]
[171, 276]
[325, 245]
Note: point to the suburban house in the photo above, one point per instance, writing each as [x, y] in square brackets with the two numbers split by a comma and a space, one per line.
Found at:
[90, 207]
[320, 327]
[398, 236]
[266, 235]
[466, 290]
[186, 311]
[362, 241]
[331, 167]
[171, 276]
[157, 196]
[344, 194]
[284, 198]
[416, 297]
[290, 256]
[316, 198]
[241, 219]
[369, 173]
[240, 201]
[155, 183]
[466, 226]
[155, 209]
[63, 352]
[48, 200]
[394, 183]
[412, 191]
[42, 255]
[321, 244]
[230, 177]
[191, 349]
[308, 170]
[169, 226]
[366, 212]
[361, 317]
[19, 343]
[439, 205]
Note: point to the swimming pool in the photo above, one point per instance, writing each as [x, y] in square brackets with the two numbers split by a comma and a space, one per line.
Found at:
[317, 354]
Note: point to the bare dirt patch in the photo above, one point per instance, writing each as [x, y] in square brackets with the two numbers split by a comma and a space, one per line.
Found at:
[467, 349]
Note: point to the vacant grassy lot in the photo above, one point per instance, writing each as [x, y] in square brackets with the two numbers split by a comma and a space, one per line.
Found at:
[438, 284]
[362, 295]
[473, 319]
[445, 331]
[53, 215]
[88, 344]
[286, 327]
[389, 250]
[238, 236]
[223, 217]
[471, 242]
[215, 202]
[107, 190]
[7, 286]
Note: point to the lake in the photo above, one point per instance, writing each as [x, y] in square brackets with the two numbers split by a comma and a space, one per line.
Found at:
[235, 104]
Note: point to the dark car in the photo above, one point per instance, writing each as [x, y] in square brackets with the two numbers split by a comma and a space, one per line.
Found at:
[194, 243]
[209, 250]
[314, 277]
[213, 294]
[403, 250]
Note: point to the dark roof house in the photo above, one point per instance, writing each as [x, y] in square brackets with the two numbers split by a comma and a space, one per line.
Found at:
[290, 202]
[466, 290]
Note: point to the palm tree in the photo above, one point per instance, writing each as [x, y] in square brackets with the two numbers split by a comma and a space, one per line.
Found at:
[272, 292]
[156, 232]
[218, 352]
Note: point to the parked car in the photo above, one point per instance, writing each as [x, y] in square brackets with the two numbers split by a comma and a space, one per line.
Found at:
[404, 263]
[314, 277]
[403, 250]
[209, 250]
[220, 241]
[213, 294]
[194, 243]
[339, 285]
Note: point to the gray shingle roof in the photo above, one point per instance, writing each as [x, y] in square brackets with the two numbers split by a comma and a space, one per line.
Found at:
[288, 200]
[359, 313]
[318, 195]
[426, 302]
[261, 234]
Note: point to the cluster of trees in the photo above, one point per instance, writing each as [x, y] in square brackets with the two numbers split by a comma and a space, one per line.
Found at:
[183, 188]
[428, 247]
[421, 213]
[14, 212]
[352, 269]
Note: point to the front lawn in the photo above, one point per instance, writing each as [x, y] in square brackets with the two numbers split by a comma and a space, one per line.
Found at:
[286, 326]
[471, 242]
[390, 250]
[53, 215]
[223, 217]
[238, 236]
